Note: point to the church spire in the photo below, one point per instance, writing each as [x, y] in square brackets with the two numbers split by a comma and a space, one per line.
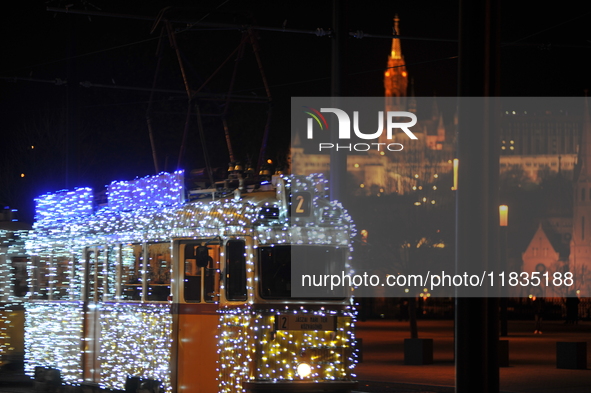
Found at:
[396, 52]
[395, 76]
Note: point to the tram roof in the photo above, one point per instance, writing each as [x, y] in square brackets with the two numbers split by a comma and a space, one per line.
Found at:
[203, 214]
[70, 215]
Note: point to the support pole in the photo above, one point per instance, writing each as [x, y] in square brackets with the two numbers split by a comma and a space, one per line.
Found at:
[204, 147]
[151, 101]
[227, 104]
[256, 49]
[476, 349]
[338, 160]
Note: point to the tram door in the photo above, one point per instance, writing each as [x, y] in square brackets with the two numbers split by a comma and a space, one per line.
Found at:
[197, 317]
[93, 294]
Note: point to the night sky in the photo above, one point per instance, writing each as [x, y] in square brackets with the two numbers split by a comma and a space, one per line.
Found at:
[64, 137]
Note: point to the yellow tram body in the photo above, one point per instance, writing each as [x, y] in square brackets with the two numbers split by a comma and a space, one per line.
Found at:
[193, 296]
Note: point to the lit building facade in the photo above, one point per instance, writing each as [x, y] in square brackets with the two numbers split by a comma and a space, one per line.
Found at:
[539, 143]
[562, 243]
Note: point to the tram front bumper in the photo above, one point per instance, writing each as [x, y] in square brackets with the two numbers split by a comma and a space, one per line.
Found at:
[299, 386]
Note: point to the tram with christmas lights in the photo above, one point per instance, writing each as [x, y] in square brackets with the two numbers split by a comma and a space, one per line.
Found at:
[166, 288]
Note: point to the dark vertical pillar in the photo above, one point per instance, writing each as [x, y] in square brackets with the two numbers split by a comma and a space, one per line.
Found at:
[472, 248]
[494, 246]
[338, 159]
[476, 338]
[493, 110]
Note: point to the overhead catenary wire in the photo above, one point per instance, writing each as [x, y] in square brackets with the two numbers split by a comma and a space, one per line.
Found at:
[230, 26]
[318, 32]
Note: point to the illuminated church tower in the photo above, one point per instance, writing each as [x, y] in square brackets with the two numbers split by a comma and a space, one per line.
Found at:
[580, 247]
[395, 77]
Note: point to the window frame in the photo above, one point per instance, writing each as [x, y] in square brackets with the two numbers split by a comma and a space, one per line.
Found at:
[227, 274]
[216, 270]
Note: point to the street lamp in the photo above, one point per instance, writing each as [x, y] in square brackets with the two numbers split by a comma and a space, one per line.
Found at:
[503, 215]
[503, 223]
[456, 165]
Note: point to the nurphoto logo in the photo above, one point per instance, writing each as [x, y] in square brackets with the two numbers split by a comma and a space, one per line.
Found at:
[344, 129]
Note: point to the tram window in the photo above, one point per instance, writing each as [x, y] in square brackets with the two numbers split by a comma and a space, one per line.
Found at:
[131, 271]
[158, 271]
[61, 279]
[111, 279]
[275, 268]
[201, 282]
[94, 274]
[192, 280]
[78, 276]
[40, 273]
[101, 273]
[211, 280]
[235, 270]
[19, 271]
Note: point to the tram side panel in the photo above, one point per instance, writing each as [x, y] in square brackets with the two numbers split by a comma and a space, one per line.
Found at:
[52, 338]
[236, 350]
[135, 324]
[135, 341]
[269, 345]
[116, 320]
[54, 318]
[236, 339]
[12, 321]
[300, 342]
[86, 321]
[197, 349]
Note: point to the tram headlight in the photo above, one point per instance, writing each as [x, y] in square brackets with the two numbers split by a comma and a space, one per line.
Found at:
[304, 370]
